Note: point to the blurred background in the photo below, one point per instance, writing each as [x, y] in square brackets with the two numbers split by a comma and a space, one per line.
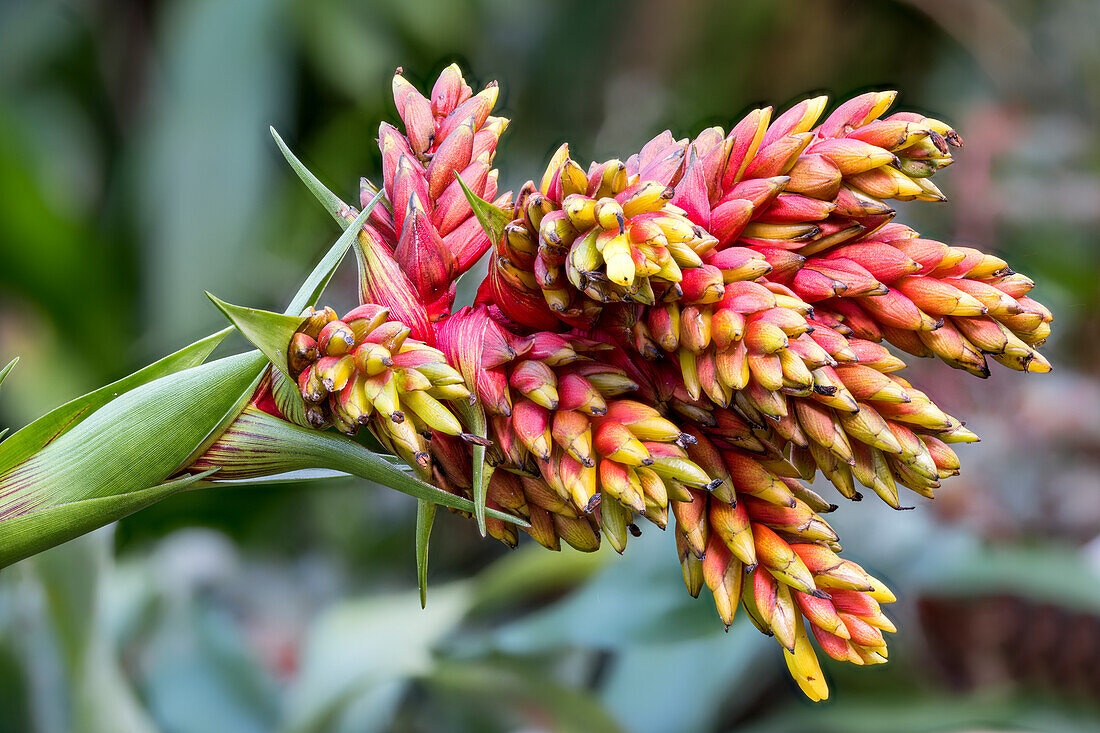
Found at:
[136, 170]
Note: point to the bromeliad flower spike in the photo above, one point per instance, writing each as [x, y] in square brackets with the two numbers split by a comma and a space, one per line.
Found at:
[686, 335]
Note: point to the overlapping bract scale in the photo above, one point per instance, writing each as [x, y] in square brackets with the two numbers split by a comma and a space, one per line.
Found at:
[688, 335]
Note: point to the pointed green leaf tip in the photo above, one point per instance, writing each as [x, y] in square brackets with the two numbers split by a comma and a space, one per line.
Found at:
[492, 218]
[425, 518]
[269, 332]
[336, 208]
[332, 203]
[317, 281]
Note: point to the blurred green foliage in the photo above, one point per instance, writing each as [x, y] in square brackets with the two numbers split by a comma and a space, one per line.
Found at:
[135, 165]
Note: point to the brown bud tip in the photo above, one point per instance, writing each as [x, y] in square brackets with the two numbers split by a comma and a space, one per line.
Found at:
[686, 439]
[316, 417]
[750, 569]
[647, 461]
[475, 439]
[857, 496]
[387, 361]
[634, 529]
[818, 593]
[832, 508]
[592, 503]
[715, 484]
[398, 416]
[422, 459]
[904, 508]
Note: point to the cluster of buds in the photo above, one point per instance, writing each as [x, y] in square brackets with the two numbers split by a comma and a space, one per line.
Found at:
[365, 370]
[560, 423]
[691, 334]
[585, 239]
[425, 236]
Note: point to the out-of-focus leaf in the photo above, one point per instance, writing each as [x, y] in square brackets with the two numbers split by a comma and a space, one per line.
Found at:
[269, 332]
[492, 218]
[682, 698]
[425, 517]
[55, 423]
[520, 691]
[203, 188]
[101, 699]
[913, 712]
[361, 649]
[531, 570]
[641, 581]
[7, 370]
[315, 284]
[1056, 575]
[28, 534]
[259, 443]
[131, 444]
[216, 682]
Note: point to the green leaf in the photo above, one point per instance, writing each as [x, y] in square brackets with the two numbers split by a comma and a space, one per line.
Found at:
[269, 332]
[425, 518]
[474, 417]
[512, 688]
[315, 284]
[332, 203]
[32, 438]
[493, 219]
[134, 442]
[288, 399]
[231, 413]
[260, 444]
[7, 370]
[28, 534]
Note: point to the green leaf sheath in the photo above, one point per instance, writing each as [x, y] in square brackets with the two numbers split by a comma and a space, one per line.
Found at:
[269, 332]
[134, 442]
[27, 441]
[26, 535]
